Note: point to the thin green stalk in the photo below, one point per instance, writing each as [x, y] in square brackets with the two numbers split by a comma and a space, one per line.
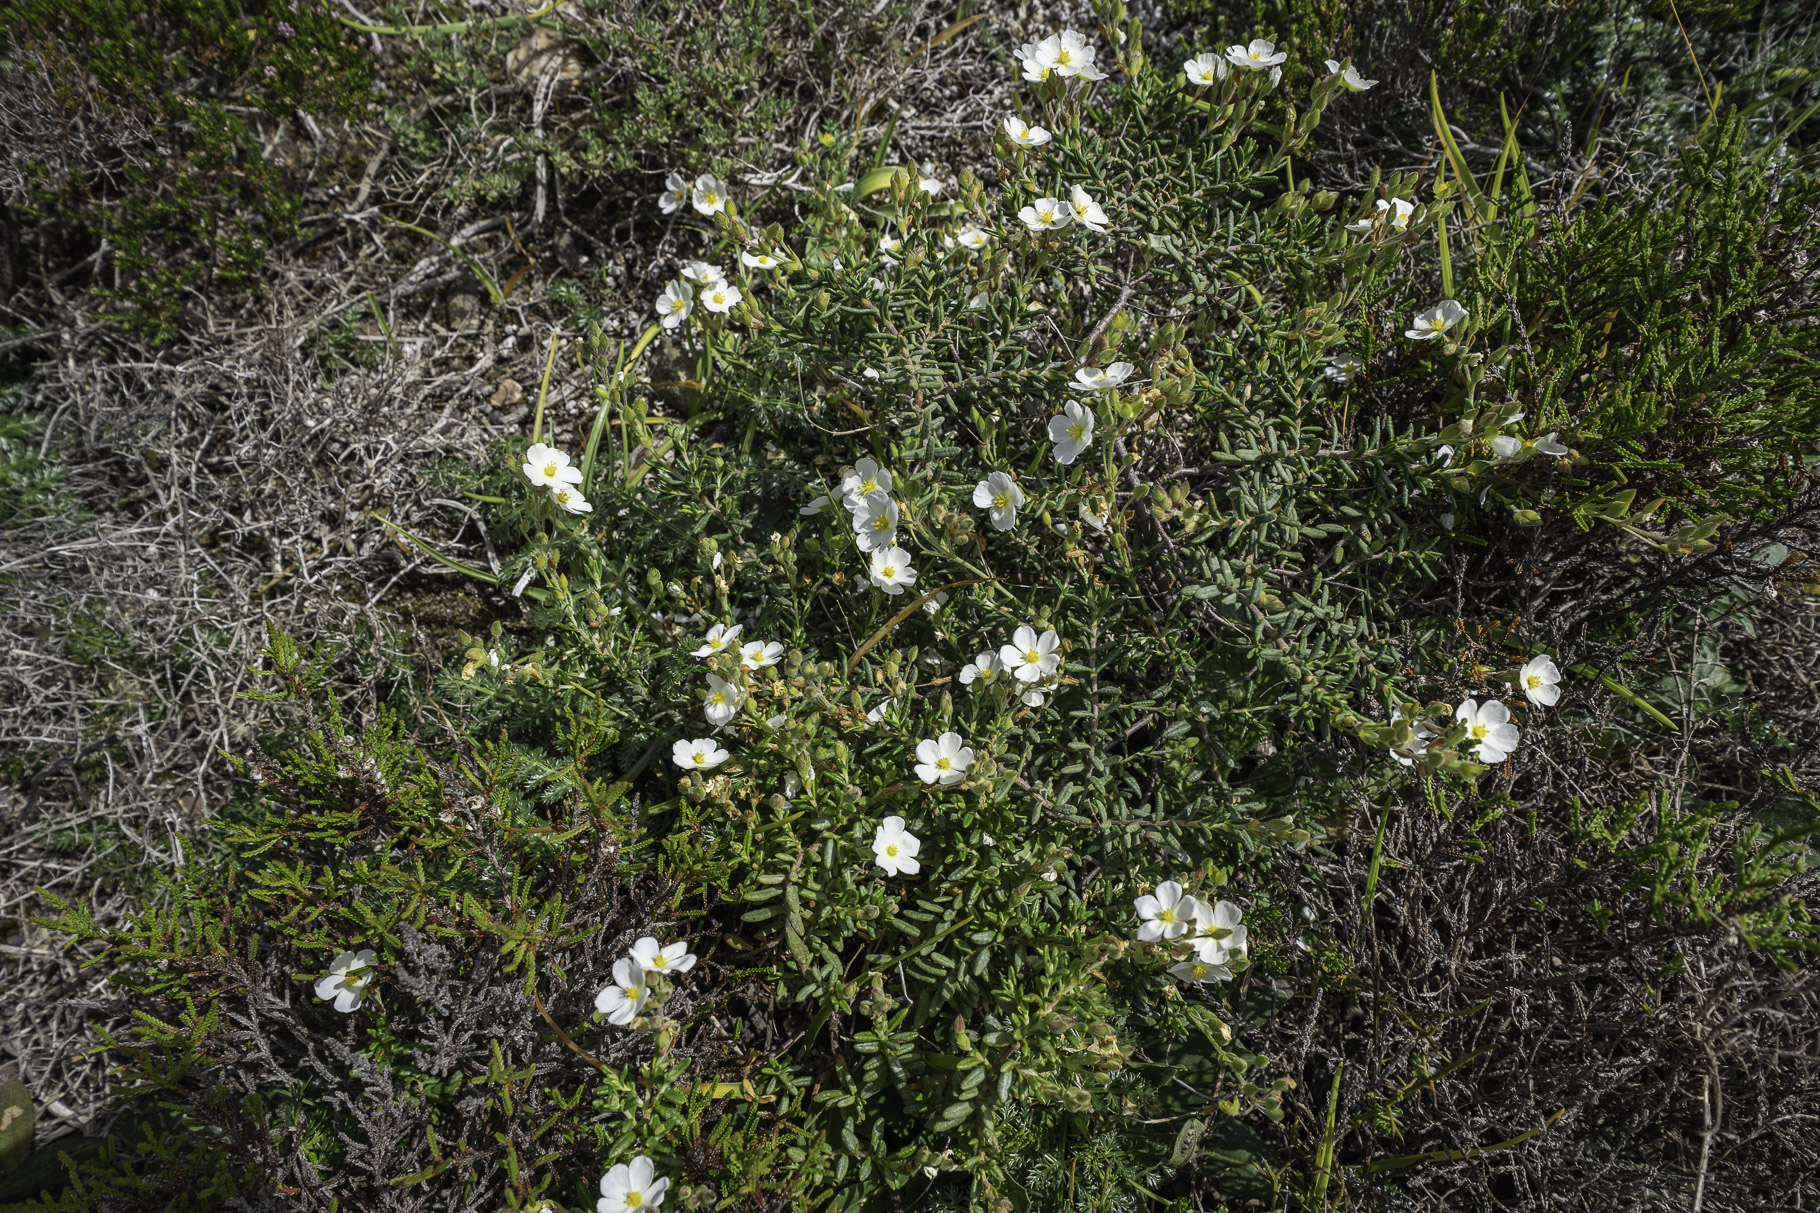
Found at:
[1323, 1157]
[543, 389]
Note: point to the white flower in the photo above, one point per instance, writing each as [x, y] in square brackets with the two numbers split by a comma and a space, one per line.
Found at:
[760, 654]
[620, 1002]
[1205, 68]
[816, 506]
[984, 669]
[654, 957]
[698, 754]
[929, 185]
[793, 783]
[999, 495]
[1435, 321]
[1031, 698]
[890, 570]
[944, 760]
[1550, 444]
[349, 976]
[1073, 57]
[1540, 680]
[1198, 970]
[869, 372]
[675, 304]
[1038, 58]
[1489, 728]
[1023, 134]
[971, 238]
[548, 468]
[1099, 378]
[1349, 76]
[676, 193]
[878, 713]
[1029, 657]
[895, 848]
[631, 1189]
[1045, 215]
[720, 637]
[721, 703]
[1447, 521]
[931, 607]
[1072, 432]
[1343, 366]
[1165, 913]
[875, 522]
[760, 260]
[710, 196]
[861, 480]
[571, 500]
[1418, 741]
[702, 274]
[1218, 933]
[888, 244]
[1261, 54]
[1506, 447]
[720, 297]
[1397, 210]
[776, 722]
[1087, 212]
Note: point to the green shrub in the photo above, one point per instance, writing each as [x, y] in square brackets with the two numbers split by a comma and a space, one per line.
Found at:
[170, 174]
[1243, 570]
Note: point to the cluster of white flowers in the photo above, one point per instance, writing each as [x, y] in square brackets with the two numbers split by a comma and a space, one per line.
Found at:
[348, 978]
[632, 1187]
[1214, 931]
[697, 280]
[708, 195]
[632, 976]
[1052, 214]
[1489, 731]
[724, 697]
[1030, 659]
[1060, 56]
[549, 469]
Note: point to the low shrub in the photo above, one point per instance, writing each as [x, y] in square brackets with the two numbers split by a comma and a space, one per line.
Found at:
[966, 646]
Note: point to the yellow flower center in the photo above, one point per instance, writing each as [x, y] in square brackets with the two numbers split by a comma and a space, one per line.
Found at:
[1165, 916]
[698, 758]
[1533, 681]
[888, 572]
[1064, 57]
[1001, 501]
[881, 522]
[988, 674]
[1032, 656]
[677, 305]
[891, 850]
[718, 697]
[943, 764]
[660, 961]
[1077, 432]
[1199, 970]
[1437, 324]
[550, 469]
[635, 1200]
[1479, 731]
[868, 485]
[710, 197]
[1255, 55]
